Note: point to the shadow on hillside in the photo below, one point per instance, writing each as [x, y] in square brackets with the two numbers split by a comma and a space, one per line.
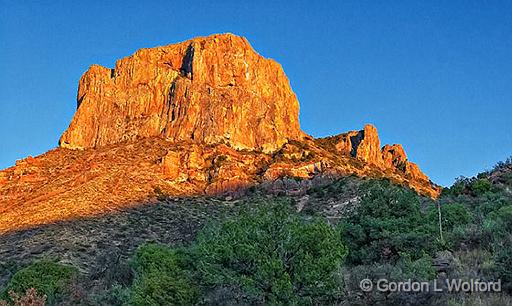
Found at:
[96, 244]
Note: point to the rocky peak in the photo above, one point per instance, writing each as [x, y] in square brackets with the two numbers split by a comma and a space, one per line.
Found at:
[394, 156]
[208, 116]
[213, 89]
[363, 145]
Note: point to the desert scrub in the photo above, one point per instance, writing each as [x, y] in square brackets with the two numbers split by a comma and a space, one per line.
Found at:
[272, 255]
[388, 222]
[266, 254]
[47, 277]
[160, 278]
[30, 298]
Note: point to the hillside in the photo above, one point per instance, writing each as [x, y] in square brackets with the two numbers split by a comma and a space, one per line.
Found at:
[208, 116]
[102, 247]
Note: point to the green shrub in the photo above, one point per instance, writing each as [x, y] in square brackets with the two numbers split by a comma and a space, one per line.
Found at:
[452, 215]
[454, 220]
[503, 263]
[387, 221]
[116, 295]
[475, 186]
[274, 255]
[419, 269]
[504, 218]
[404, 269]
[498, 224]
[480, 186]
[160, 278]
[458, 187]
[499, 227]
[48, 278]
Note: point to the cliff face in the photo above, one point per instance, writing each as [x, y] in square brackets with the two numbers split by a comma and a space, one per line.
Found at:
[211, 90]
[364, 145]
[208, 116]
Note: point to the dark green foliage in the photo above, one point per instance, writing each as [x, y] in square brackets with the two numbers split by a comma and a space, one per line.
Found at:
[480, 186]
[273, 255]
[267, 254]
[490, 229]
[452, 215]
[503, 219]
[48, 278]
[475, 186]
[403, 269]
[387, 222]
[160, 278]
[499, 227]
[458, 187]
[503, 262]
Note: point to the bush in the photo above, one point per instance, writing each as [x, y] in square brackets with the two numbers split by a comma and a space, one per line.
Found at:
[116, 295]
[419, 269]
[503, 263]
[160, 278]
[499, 225]
[458, 187]
[273, 255]
[267, 254]
[475, 186]
[454, 220]
[504, 217]
[405, 268]
[480, 186]
[388, 221]
[452, 215]
[48, 278]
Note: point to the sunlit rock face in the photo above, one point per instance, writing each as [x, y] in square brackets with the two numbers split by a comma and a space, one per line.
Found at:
[211, 90]
[206, 117]
[364, 145]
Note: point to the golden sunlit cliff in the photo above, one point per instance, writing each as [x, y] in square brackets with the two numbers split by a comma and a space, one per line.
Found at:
[208, 116]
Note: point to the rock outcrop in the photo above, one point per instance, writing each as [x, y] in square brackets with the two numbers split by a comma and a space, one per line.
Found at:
[212, 90]
[364, 145]
[394, 156]
[208, 116]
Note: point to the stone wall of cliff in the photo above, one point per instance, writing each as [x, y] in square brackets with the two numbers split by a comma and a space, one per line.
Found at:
[214, 89]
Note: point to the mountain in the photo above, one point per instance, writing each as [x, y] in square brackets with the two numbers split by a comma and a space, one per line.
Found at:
[205, 117]
[184, 178]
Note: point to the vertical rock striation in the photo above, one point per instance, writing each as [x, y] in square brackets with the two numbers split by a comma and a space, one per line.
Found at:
[211, 90]
[364, 145]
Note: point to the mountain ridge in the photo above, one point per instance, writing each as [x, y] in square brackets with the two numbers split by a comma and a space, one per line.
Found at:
[206, 117]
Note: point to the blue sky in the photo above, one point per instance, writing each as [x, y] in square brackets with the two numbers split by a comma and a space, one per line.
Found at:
[435, 76]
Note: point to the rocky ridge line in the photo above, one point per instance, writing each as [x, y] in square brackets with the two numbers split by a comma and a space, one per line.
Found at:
[208, 116]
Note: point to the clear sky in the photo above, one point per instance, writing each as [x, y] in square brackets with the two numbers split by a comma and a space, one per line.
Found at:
[435, 76]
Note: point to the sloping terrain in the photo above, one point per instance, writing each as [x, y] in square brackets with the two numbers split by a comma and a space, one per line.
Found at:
[102, 246]
[208, 116]
[68, 184]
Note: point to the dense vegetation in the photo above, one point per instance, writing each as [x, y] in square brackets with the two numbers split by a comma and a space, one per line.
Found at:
[48, 278]
[270, 252]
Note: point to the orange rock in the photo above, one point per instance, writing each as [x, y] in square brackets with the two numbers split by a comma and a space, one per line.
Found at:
[363, 145]
[3, 178]
[171, 165]
[394, 156]
[206, 116]
[414, 171]
[213, 89]
[304, 171]
[184, 164]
